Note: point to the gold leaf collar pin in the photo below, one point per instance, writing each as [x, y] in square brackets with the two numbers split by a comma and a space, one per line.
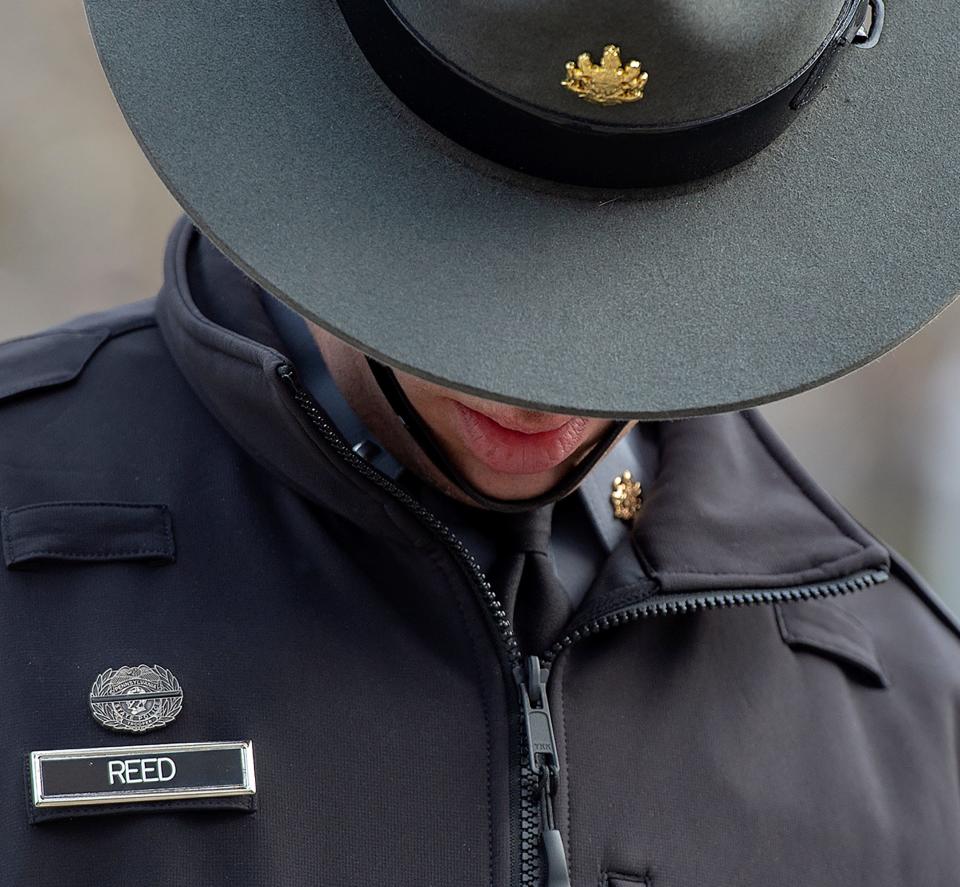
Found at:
[609, 83]
[627, 496]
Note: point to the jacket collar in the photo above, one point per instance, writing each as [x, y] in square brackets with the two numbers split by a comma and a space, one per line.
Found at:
[729, 508]
[732, 508]
[226, 347]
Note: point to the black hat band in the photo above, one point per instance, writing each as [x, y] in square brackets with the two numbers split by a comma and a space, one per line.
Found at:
[568, 149]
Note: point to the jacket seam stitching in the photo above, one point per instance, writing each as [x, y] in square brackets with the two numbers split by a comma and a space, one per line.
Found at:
[91, 555]
[690, 571]
[250, 360]
[134, 326]
[43, 334]
[918, 586]
[61, 376]
[651, 571]
[86, 504]
[181, 286]
[14, 554]
[37, 383]
[111, 332]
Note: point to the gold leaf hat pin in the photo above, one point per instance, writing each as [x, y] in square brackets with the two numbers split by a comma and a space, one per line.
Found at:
[609, 83]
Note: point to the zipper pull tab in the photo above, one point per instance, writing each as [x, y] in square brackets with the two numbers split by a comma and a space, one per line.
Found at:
[555, 857]
[545, 762]
[541, 743]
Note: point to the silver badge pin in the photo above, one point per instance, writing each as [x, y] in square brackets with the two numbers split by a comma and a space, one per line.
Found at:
[136, 698]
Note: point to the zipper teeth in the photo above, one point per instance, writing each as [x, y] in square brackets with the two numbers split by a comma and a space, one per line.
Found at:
[529, 823]
[446, 535]
[716, 601]
[529, 861]
[489, 596]
[529, 857]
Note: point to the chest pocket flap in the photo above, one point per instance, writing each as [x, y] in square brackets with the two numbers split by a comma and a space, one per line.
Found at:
[86, 531]
[821, 626]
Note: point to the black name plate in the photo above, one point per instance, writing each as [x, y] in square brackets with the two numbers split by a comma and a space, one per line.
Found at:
[70, 777]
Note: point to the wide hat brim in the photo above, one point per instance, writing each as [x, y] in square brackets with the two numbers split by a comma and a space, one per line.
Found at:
[828, 248]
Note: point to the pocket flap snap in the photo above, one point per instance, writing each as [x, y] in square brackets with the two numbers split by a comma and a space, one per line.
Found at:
[86, 531]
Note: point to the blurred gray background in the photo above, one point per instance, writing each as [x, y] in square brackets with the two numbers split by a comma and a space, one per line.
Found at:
[82, 226]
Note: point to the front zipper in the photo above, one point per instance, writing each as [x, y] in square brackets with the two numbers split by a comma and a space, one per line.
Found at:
[544, 762]
[525, 870]
[539, 761]
[715, 600]
[440, 530]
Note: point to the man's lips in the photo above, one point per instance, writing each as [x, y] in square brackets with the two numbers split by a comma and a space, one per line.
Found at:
[520, 444]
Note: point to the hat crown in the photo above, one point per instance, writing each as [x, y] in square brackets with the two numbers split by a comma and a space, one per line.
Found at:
[704, 57]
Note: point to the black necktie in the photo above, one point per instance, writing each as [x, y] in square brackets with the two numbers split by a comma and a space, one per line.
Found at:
[525, 578]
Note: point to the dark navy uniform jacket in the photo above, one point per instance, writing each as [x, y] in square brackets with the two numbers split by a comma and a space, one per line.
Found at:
[754, 691]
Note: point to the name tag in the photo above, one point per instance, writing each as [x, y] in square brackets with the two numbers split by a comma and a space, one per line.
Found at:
[127, 774]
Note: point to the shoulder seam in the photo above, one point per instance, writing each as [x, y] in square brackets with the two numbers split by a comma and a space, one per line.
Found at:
[129, 326]
[903, 570]
[133, 326]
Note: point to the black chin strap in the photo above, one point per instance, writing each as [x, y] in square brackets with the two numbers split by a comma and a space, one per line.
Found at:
[421, 433]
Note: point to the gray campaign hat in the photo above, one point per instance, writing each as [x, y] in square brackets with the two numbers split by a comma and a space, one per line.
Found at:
[618, 208]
